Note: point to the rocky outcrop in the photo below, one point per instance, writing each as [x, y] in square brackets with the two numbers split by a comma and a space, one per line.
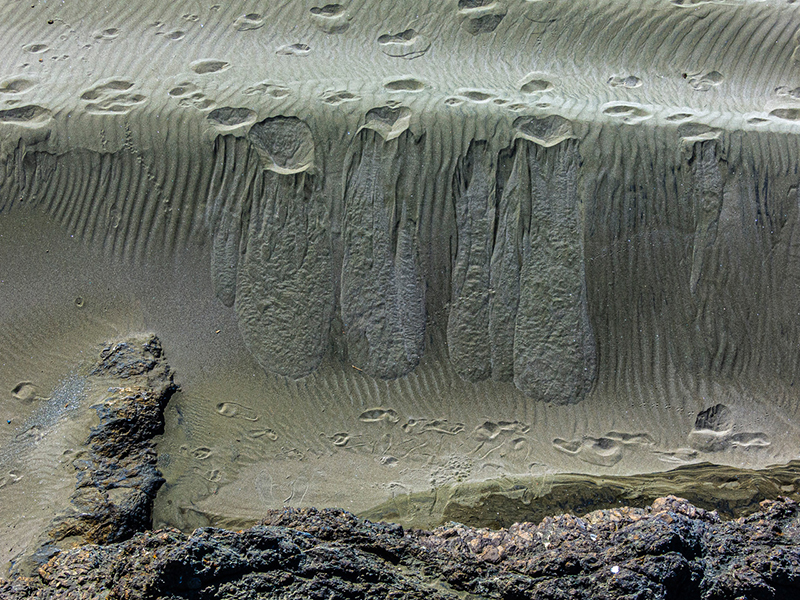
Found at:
[669, 550]
[117, 479]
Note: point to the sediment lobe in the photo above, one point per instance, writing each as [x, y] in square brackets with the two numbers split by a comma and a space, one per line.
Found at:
[570, 219]
[554, 347]
[284, 284]
[382, 296]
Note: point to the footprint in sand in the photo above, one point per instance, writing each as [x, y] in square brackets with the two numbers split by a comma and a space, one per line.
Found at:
[406, 84]
[484, 24]
[442, 426]
[490, 430]
[10, 478]
[749, 440]
[713, 432]
[268, 89]
[214, 476]
[519, 444]
[30, 115]
[36, 48]
[698, 132]
[340, 439]
[249, 22]
[679, 117]
[109, 34]
[627, 113]
[234, 409]
[785, 91]
[331, 18]
[787, 114]
[629, 81]
[268, 433]
[695, 3]
[185, 88]
[642, 439]
[336, 97]
[411, 425]
[228, 118]
[375, 415]
[201, 453]
[604, 451]
[477, 96]
[24, 391]
[16, 85]
[106, 90]
[114, 96]
[294, 50]
[702, 82]
[432, 426]
[680, 456]
[481, 16]
[198, 101]
[190, 95]
[207, 66]
[407, 44]
[536, 83]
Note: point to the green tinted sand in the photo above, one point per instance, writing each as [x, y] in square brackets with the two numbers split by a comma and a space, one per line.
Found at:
[396, 247]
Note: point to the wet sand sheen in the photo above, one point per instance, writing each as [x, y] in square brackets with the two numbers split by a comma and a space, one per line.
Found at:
[239, 440]
[430, 429]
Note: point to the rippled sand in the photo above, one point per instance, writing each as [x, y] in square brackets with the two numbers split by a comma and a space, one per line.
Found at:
[390, 250]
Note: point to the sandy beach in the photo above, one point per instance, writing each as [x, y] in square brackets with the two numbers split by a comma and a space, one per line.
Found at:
[395, 248]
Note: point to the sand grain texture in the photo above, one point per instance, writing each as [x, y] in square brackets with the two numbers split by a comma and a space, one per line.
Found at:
[522, 238]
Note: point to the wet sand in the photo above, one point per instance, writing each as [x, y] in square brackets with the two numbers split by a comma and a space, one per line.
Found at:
[239, 441]
[388, 254]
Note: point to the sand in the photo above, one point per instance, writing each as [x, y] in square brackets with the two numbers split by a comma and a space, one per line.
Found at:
[390, 247]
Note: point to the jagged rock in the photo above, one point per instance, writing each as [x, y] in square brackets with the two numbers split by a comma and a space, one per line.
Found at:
[118, 483]
[118, 479]
[669, 550]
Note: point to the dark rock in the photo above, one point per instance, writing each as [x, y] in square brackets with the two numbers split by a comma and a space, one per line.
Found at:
[670, 550]
[118, 481]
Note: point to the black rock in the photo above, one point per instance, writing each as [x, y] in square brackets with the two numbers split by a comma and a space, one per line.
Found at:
[670, 550]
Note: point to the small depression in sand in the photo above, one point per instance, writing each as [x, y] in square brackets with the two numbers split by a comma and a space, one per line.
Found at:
[404, 266]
